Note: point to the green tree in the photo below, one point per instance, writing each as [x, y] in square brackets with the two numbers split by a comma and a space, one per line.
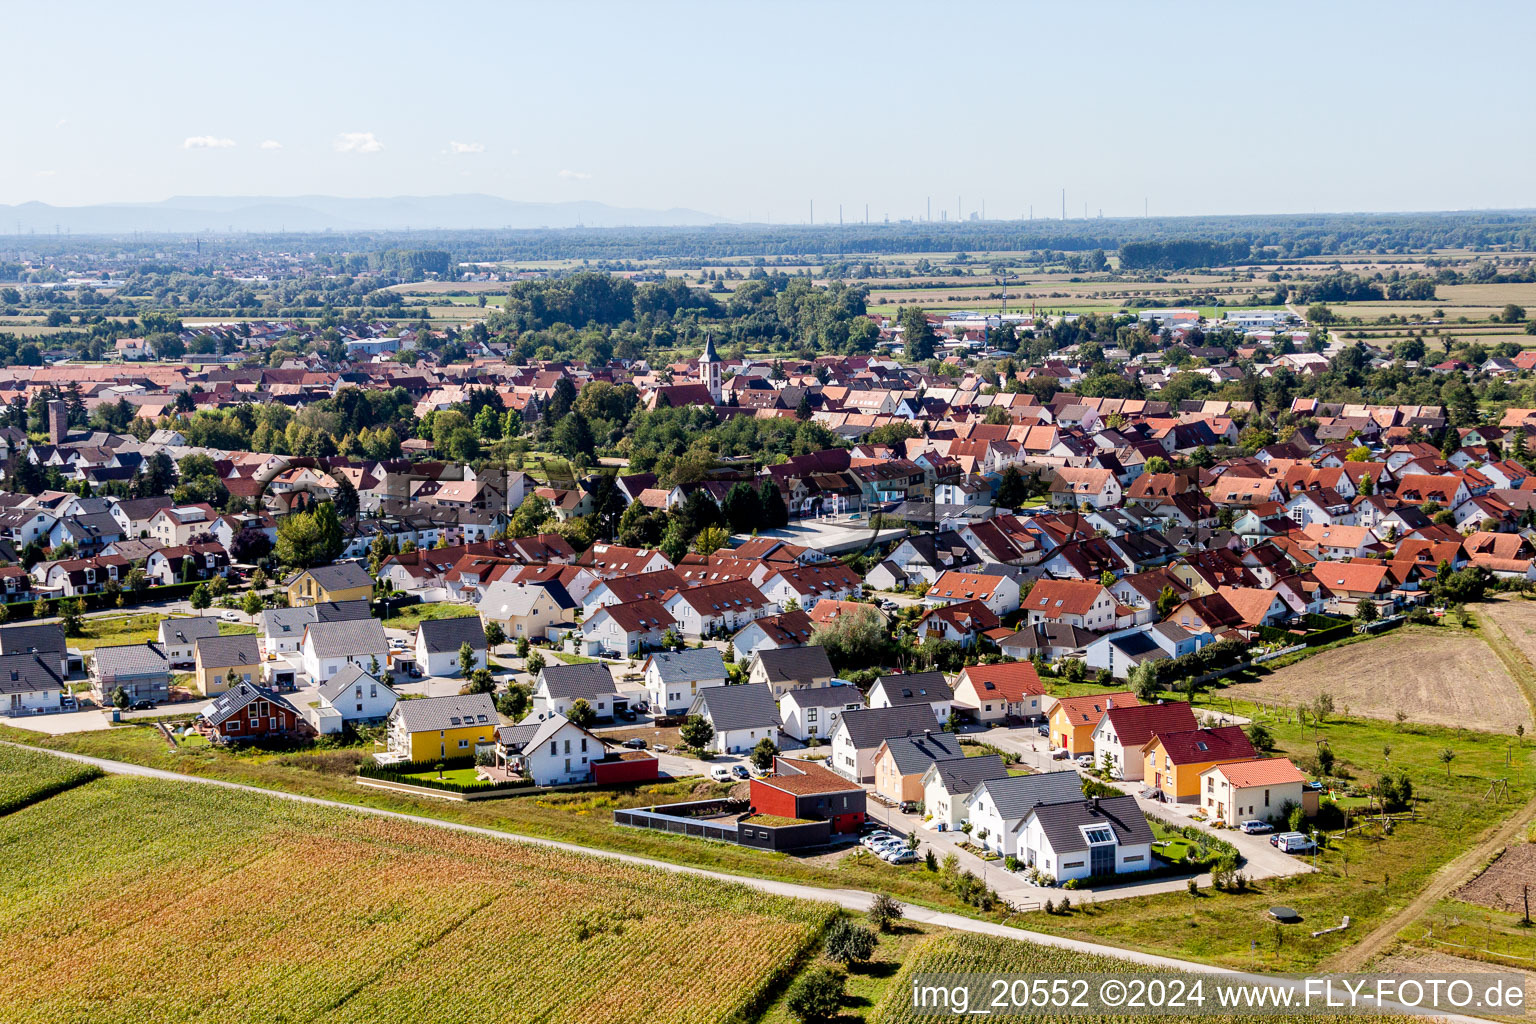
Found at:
[253, 604]
[816, 996]
[764, 753]
[495, 636]
[516, 702]
[481, 681]
[1447, 755]
[467, 659]
[72, 615]
[884, 912]
[848, 943]
[200, 597]
[120, 698]
[696, 732]
[1011, 490]
[917, 334]
[580, 713]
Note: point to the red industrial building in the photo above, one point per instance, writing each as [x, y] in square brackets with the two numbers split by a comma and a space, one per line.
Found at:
[806, 791]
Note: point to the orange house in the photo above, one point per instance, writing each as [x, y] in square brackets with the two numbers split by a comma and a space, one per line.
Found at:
[1173, 761]
[1073, 719]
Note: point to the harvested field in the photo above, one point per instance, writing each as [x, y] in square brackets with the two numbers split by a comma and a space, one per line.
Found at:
[1434, 675]
[280, 911]
[1502, 886]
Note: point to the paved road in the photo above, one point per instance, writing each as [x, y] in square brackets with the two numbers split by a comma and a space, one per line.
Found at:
[851, 899]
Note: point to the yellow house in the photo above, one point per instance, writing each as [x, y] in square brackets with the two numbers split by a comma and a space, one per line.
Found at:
[1173, 761]
[1186, 574]
[215, 657]
[525, 611]
[440, 728]
[1073, 719]
[345, 582]
[902, 761]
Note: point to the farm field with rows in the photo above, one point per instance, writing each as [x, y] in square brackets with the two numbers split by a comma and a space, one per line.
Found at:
[961, 953]
[27, 776]
[178, 903]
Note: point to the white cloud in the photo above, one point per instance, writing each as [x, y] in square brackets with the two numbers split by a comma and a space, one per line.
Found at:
[357, 142]
[466, 147]
[575, 175]
[44, 174]
[206, 142]
[271, 144]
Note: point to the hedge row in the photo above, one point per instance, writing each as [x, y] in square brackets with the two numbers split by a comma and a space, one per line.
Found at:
[20, 611]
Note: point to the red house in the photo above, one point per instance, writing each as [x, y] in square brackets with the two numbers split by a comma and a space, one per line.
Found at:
[250, 712]
[806, 791]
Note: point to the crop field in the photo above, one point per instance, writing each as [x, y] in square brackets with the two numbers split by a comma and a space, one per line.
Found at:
[957, 953]
[268, 910]
[27, 776]
[1434, 675]
[1504, 885]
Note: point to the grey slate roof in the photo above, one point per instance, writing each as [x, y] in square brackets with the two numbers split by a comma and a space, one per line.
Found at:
[795, 664]
[338, 577]
[1016, 794]
[452, 712]
[138, 660]
[515, 737]
[826, 696]
[917, 688]
[586, 680]
[287, 622]
[689, 666]
[41, 637]
[963, 774]
[449, 634]
[188, 630]
[341, 611]
[344, 680]
[225, 651]
[749, 706]
[1062, 822]
[913, 754]
[350, 636]
[28, 673]
[232, 701]
[868, 727]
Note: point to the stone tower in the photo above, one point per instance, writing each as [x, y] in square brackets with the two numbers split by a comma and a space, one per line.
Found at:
[58, 422]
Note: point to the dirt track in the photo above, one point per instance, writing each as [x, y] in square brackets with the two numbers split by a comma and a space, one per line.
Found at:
[1433, 675]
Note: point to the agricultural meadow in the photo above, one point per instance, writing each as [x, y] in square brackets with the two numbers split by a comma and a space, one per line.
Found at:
[178, 903]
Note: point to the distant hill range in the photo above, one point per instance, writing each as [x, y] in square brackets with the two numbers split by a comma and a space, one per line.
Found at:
[270, 214]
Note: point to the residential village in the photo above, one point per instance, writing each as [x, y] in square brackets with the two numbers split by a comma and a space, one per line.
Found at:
[1037, 570]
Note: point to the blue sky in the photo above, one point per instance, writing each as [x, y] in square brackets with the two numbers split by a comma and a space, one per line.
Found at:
[754, 110]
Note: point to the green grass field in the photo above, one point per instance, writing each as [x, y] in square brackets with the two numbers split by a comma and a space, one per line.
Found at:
[178, 904]
[412, 616]
[137, 628]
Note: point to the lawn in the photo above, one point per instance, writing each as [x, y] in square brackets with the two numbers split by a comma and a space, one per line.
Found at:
[412, 616]
[135, 628]
[572, 659]
[461, 776]
[290, 912]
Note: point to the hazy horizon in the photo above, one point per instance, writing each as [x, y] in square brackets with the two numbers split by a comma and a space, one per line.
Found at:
[751, 114]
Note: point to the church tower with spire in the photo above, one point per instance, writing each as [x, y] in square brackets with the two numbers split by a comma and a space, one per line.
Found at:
[709, 368]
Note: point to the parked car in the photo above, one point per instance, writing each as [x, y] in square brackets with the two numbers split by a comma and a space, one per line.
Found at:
[1043, 730]
[901, 856]
[661, 748]
[1295, 842]
[230, 616]
[1280, 838]
[1084, 760]
[142, 705]
[1256, 828]
[721, 773]
[636, 742]
[1059, 755]
[740, 771]
[875, 838]
[628, 715]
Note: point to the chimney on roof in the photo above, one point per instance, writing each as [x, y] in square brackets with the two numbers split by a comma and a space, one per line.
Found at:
[1095, 803]
[1109, 703]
